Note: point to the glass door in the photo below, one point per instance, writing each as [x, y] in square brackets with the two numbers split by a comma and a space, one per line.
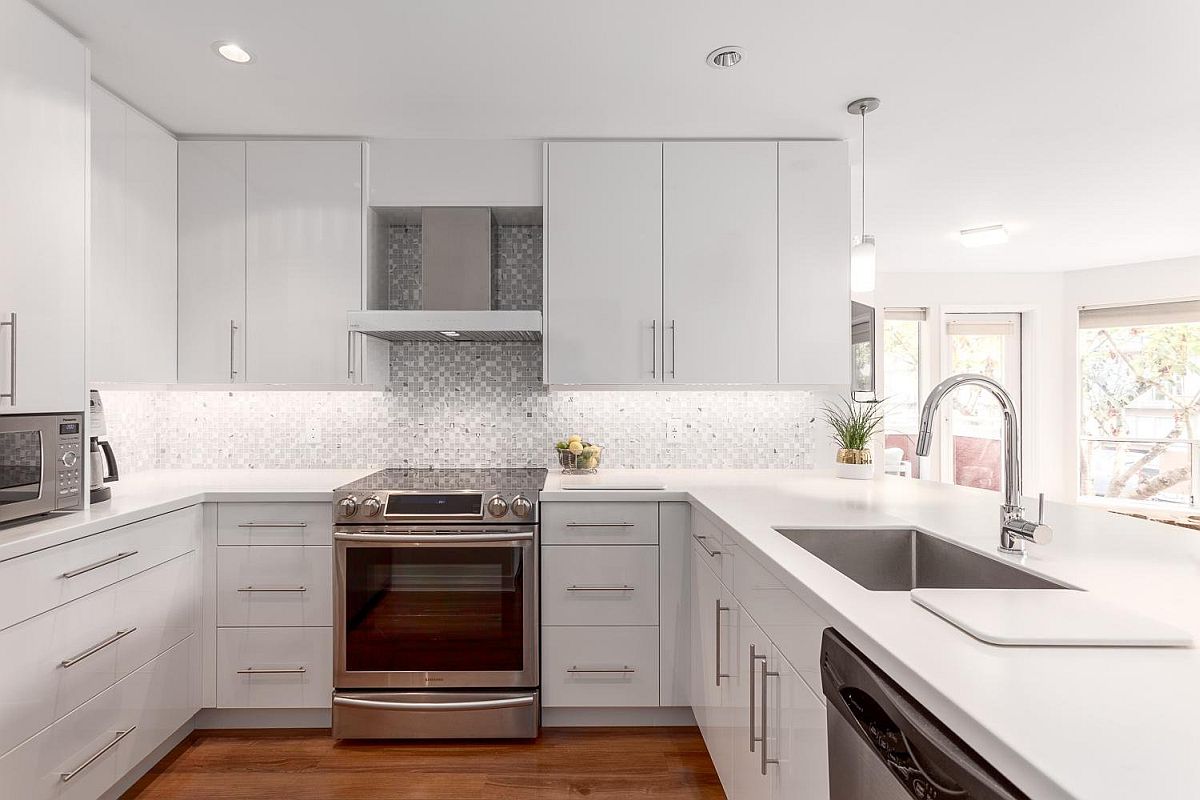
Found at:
[987, 344]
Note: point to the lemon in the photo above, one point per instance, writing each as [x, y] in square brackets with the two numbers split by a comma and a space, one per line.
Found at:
[574, 438]
[575, 446]
[591, 463]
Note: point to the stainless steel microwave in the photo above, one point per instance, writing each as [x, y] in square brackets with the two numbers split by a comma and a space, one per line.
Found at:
[41, 464]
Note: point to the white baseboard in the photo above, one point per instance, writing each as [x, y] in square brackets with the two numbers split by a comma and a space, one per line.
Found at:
[144, 766]
[210, 718]
[602, 717]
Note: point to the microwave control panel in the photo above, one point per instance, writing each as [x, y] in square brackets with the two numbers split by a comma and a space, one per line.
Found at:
[70, 463]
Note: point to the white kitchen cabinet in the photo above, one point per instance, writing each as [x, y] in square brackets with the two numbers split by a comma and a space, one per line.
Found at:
[281, 586]
[674, 589]
[271, 524]
[796, 735]
[600, 666]
[720, 262]
[304, 210]
[43, 211]
[604, 239]
[711, 651]
[814, 263]
[274, 667]
[600, 585]
[212, 262]
[133, 293]
[743, 706]
[601, 523]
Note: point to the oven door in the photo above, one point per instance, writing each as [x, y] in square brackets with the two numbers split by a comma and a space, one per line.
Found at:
[428, 607]
[27, 467]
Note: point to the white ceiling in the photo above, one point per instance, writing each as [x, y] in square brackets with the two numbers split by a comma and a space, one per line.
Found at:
[1076, 123]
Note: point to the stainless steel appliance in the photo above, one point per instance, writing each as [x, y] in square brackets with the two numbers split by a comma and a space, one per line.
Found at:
[103, 462]
[40, 464]
[884, 746]
[436, 604]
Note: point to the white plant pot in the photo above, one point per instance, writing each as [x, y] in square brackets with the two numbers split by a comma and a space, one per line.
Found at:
[855, 472]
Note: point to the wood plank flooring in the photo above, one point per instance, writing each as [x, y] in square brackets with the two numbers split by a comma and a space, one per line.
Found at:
[603, 763]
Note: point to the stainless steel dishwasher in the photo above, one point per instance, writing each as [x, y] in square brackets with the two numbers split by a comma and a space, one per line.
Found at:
[885, 746]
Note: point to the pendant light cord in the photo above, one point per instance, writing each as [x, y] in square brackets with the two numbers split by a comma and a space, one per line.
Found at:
[862, 112]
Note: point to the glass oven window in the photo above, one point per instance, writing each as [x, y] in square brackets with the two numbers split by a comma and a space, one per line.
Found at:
[20, 466]
[435, 609]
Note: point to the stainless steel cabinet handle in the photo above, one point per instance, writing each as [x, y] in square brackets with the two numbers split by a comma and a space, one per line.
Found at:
[232, 350]
[272, 524]
[272, 671]
[349, 355]
[766, 674]
[701, 540]
[400, 539]
[653, 348]
[599, 524]
[611, 671]
[96, 648]
[11, 394]
[720, 610]
[102, 563]
[66, 776]
[466, 705]
[272, 589]
[754, 656]
[672, 348]
[600, 588]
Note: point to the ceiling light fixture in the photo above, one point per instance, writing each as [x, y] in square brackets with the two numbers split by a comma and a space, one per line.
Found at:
[725, 57]
[231, 51]
[862, 254]
[982, 237]
[451, 334]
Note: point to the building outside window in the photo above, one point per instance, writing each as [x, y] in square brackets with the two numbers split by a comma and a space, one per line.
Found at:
[903, 330]
[1139, 371]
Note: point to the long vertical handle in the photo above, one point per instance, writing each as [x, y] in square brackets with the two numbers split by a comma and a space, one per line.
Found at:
[754, 656]
[766, 674]
[720, 610]
[654, 348]
[232, 351]
[350, 356]
[672, 348]
[11, 394]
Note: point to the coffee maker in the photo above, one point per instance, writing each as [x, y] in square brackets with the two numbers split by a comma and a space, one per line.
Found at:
[103, 462]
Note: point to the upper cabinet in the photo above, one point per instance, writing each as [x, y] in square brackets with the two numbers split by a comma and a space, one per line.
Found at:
[43, 210]
[132, 287]
[270, 261]
[697, 263]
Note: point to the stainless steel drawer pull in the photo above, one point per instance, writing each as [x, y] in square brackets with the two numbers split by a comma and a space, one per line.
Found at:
[272, 588]
[653, 348]
[601, 588]
[102, 563]
[96, 648]
[272, 671]
[766, 673]
[599, 524]
[754, 656]
[627, 670]
[11, 394]
[701, 540]
[720, 610]
[66, 776]
[232, 349]
[461, 705]
[272, 524]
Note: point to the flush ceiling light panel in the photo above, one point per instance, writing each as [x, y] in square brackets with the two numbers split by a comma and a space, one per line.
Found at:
[725, 57]
[982, 237]
[231, 51]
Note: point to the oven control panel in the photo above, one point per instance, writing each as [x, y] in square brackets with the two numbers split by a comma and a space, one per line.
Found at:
[462, 506]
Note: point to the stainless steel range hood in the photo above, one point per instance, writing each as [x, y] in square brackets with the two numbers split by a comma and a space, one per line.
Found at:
[455, 287]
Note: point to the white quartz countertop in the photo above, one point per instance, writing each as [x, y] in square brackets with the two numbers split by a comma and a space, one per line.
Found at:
[147, 494]
[1060, 722]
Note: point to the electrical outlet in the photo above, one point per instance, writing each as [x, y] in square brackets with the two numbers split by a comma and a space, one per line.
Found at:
[674, 431]
[312, 434]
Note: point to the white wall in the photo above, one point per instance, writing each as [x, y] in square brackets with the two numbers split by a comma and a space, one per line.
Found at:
[437, 172]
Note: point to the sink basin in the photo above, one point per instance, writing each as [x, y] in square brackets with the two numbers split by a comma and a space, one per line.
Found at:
[900, 560]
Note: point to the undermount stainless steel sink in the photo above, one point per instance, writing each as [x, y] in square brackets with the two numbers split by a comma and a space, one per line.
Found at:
[899, 560]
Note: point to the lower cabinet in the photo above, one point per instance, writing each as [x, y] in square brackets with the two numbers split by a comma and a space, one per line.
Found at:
[600, 666]
[274, 667]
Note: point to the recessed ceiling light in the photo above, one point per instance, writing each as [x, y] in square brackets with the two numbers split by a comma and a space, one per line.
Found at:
[982, 237]
[232, 52]
[725, 57]
[450, 333]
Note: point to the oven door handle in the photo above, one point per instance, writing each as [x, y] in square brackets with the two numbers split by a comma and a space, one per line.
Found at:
[446, 538]
[463, 705]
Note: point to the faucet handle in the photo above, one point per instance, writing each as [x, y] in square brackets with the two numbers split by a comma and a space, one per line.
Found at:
[1041, 507]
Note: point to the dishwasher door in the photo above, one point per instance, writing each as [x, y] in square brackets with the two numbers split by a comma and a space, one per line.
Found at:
[884, 746]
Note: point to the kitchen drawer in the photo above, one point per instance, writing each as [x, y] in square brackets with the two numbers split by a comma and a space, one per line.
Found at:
[275, 523]
[599, 585]
[37, 582]
[260, 586]
[721, 547]
[55, 661]
[274, 667]
[151, 704]
[599, 666]
[599, 523]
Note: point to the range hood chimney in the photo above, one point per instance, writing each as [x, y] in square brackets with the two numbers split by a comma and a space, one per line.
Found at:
[456, 287]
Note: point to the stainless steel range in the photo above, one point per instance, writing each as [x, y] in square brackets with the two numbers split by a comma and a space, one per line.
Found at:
[436, 604]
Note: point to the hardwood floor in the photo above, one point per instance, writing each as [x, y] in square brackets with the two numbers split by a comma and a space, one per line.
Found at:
[605, 763]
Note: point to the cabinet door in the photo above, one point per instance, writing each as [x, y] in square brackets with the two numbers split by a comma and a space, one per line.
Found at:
[212, 262]
[798, 765]
[303, 259]
[705, 683]
[720, 265]
[604, 262]
[743, 703]
[43, 143]
[106, 357]
[814, 263]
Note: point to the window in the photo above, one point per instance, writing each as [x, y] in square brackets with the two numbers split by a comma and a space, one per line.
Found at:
[1139, 370]
[902, 388]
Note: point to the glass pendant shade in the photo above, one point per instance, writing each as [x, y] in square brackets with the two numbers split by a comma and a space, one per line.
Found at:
[862, 265]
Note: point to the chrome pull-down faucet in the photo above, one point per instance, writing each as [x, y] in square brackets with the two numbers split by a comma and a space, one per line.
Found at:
[1015, 530]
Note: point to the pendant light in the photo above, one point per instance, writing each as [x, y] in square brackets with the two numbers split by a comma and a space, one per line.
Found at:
[862, 254]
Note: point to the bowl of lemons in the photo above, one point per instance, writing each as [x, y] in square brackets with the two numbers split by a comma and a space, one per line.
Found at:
[578, 457]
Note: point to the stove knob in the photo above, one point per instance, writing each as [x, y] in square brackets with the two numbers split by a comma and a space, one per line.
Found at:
[521, 506]
[347, 506]
[371, 506]
[497, 506]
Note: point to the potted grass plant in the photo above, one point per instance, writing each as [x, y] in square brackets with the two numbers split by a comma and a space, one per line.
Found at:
[854, 424]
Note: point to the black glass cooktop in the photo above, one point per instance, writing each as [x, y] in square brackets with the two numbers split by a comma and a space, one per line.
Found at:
[518, 479]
